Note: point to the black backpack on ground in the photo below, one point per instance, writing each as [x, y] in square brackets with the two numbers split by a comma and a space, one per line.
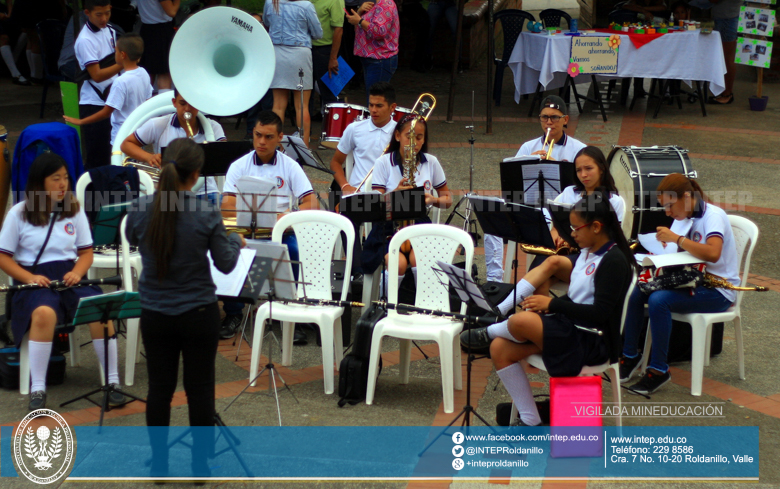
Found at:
[353, 371]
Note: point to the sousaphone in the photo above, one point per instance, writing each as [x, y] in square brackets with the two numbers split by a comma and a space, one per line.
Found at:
[222, 62]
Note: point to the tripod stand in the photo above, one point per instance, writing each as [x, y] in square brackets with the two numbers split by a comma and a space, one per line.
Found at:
[269, 271]
[118, 305]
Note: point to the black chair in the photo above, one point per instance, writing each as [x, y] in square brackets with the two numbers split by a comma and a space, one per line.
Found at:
[51, 33]
[512, 22]
[551, 17]
[620, 16]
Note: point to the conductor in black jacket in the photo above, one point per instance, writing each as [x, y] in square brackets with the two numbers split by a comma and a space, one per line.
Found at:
[174, 231]
[598, 282]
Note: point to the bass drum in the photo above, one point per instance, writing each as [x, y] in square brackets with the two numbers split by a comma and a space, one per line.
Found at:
[637, 172]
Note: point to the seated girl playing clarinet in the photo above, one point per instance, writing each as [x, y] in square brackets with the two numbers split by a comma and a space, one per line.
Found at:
[46, 237]
[598, 282]
[389, 176]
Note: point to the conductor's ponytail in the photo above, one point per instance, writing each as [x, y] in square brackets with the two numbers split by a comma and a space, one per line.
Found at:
[181, 159]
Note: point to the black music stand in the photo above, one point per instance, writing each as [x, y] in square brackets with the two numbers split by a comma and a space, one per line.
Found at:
[273, 280]
[221, 154]
[469, 293]
[515, 222]
[295, 148]
[115, 305]
[531, 180]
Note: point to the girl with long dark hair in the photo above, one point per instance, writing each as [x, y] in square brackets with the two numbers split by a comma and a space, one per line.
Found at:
[179, 313]
[598, 282]
[29, 258]
[711, 239]
[388, 176]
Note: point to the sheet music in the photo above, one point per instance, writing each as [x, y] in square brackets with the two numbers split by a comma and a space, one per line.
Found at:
[300, 152]
[552, 185]
[230, 284]
[258, 193]
[655, 247]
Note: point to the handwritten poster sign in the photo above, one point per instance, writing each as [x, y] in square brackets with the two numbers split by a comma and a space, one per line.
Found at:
[594, 55]
[753, 52]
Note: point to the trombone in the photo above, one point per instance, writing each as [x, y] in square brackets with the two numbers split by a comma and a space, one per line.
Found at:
[424, 108]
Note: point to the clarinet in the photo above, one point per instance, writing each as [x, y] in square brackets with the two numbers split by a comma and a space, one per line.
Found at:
[116, 280]
[321, 302]
[485, 320]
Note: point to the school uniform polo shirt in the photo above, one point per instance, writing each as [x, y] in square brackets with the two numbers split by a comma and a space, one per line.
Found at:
[92, 45]
[288, 174]
[571, 195]
[160, 131]
[22, 241]
[388, 173]
[582, 286]
[366, 142]
[130, 90]
[709, 220]
[565, 149]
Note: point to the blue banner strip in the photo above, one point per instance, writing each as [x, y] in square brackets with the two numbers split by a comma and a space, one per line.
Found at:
[399, 452]
[7, 468]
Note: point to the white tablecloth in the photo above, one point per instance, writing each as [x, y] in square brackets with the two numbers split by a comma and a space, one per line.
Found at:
[686, 56]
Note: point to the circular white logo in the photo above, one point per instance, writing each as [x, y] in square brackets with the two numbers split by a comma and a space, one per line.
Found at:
[44, 446]
[457, 450]
[457, 438]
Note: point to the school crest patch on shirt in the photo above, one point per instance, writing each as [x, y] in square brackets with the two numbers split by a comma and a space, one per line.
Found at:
[70, 229]
[279, 182]
[591, 268]
[696, 237]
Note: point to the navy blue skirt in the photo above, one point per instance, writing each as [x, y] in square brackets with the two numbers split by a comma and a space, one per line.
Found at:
[63, 302]
[375, 246]
[567, 348]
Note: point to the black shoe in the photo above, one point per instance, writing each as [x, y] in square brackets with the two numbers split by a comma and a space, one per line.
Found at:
[715, 101]
[629, 367]
[116, 398]
[299, 337]
[37, 81]
[650, 383]
[37, 400]
[478, 338]
[229, 326]
[20, 80]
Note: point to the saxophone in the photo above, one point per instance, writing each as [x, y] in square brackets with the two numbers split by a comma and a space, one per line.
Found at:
[410, 158]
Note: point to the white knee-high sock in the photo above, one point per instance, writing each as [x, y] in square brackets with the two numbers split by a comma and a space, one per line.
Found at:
[40, 352]
[36, 65]
[8, 57]
[113, 372]
[501, 330]
[524, 289]
[519, 388]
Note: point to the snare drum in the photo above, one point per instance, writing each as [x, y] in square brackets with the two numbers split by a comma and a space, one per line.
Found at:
[337, 117]
[400, 112]
[637, 173]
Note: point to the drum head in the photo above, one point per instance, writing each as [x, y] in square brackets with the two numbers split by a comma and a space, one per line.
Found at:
[620, 167]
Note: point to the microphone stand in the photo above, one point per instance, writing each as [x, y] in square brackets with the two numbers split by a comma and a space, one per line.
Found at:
[300, 89]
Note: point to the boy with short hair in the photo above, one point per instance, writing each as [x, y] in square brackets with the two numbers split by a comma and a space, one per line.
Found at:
[131, 89]
[96, 41]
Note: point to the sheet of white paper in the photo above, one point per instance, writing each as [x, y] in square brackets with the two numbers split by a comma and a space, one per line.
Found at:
[252, 192]
[552, 185]
[230, 284]
[670, 259]
[655, 247]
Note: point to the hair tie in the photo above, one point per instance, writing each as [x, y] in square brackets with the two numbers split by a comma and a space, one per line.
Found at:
[172, 162]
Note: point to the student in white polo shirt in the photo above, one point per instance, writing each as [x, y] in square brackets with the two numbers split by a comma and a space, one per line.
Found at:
[26, 255]
[553, 116]
[130, 90]
[366, 139]
[160, 131]
[598, 282]
[388, 177]
[711, 239]
[292, 187]
[96, 41]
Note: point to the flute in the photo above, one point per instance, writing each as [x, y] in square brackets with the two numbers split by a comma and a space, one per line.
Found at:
[116, 280]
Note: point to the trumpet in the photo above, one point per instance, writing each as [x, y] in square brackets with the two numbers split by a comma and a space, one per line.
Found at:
[153, 171]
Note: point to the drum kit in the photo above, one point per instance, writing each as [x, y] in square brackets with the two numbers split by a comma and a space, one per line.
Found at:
[339, 115]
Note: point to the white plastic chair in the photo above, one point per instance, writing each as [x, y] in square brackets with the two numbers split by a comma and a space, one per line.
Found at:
[536, 361]
[431, 243]
[317, 233]
[701, 323]
[133, 347]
